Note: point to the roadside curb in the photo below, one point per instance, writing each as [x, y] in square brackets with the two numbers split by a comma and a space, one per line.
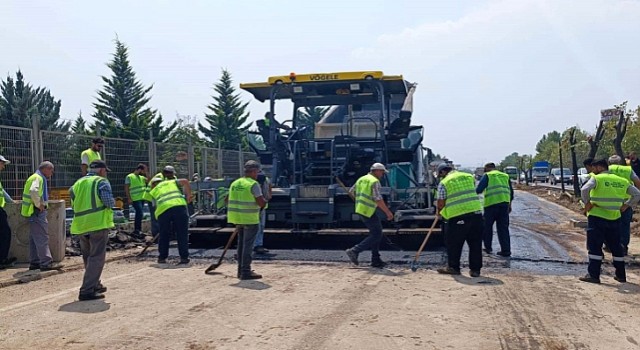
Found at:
[41, 275]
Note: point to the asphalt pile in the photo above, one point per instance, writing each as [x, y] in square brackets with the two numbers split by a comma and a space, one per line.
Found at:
[118, 240]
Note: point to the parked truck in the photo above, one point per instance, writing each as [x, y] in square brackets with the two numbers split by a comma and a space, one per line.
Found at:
[540, 171]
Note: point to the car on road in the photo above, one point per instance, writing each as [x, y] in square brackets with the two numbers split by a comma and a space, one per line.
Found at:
[556, 176]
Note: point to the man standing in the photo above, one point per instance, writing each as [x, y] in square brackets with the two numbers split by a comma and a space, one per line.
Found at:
[92, 200]
[35, 199]
[265, 186]
[459, 206]
[171, 211]
[90, 154]
[498, 195]
[243, 210]
[5, 230]
[627, 173]
[605, 196]
[368, 199]
[135, 184]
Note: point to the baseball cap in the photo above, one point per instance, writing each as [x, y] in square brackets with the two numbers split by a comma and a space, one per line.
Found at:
[251, 164]
[378, 166]
[98, 164]
[98, 140]
[443, 166]
[169, 169]
[4, 160]
[156, 179]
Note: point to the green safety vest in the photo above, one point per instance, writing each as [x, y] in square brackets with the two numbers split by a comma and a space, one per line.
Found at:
[497, 190]
[27, 205]
[242, 208]
[167, 195]
[137, 186]
[461, 195]
[147, 191]
[89, 212]
[365, 204]
[624, 171]
[2, 203]
[91, 154]
[222, 194]
[608, 196]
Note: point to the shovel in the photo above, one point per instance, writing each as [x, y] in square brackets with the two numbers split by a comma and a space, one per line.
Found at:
[226, 247]
[414, 263]
[149, 244]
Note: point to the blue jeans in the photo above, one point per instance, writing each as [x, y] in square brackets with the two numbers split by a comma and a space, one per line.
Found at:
[179, 217]
[137, 222]
[260, 235]
[155, 227]
[498, 214]
[625, 228]
[373, 239]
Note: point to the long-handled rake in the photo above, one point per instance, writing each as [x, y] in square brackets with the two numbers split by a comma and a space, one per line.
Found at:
[226, 247]
[414, 263]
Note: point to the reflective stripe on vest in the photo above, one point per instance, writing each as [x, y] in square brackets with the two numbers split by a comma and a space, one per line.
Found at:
[497, 190]
[137, 186]
[608, 196]
[27, 204]
[461, 195]
[242, 208]
[365, 204]
[2, 202]
[89, 212]
[167, 195]
[91, 155]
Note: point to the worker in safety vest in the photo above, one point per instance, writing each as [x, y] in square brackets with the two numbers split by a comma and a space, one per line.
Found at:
[92, 200]
[155, 228]
[498, 195]
[627, 173]
[606, 197]
[135, 186]
[35, 198]
[90, 154]
[265, 186]
[171, 212]
[368, 198]
[243, 210]
[461, 210]
[5, 229]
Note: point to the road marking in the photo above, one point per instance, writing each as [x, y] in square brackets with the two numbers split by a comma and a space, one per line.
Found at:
[57, 295]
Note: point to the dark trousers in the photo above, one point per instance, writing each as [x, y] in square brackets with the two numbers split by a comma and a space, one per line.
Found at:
[601, 231]
[246, 239]
[625, 228]
[460, 229]
[155, 227]
[372, 241]
[138, 206]
[5, 236]
[94, 251]
[498, 214]
[179, 217]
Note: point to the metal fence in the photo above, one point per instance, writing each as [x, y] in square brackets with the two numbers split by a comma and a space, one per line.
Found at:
[25, 148]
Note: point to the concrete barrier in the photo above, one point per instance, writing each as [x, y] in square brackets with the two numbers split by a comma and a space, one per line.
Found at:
[20, 230]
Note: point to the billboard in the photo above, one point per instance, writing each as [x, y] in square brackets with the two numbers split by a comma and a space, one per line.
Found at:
[609, 114]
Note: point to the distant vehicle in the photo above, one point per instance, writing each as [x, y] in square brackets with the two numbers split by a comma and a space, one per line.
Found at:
[146, 214]
[523, 176]
[583, 176]
[540, 171]
[512, 172]
[555, 176]
[68, 219]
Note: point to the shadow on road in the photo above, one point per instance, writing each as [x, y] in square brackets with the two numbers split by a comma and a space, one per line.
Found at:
[255, 285]
[477, 281]
[85, 307]
[628, 288]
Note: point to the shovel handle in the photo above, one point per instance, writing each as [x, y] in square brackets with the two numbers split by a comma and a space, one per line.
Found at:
[424, 242]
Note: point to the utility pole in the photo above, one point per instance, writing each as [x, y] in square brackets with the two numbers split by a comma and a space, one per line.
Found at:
[561, 165]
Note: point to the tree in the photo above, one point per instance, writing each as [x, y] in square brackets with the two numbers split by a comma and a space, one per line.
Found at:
[20, 101]
[511, 160]
[186, 131]
[79, 125]
[621, 129]
[228, 116]
[309, 116]
[121, 107]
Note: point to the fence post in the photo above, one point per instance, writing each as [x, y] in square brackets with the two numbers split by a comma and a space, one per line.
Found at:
[240, 160]
[205, 169]
[36, 141]
[103, 152]
[190, 160]
[220, 159]
[152, 155]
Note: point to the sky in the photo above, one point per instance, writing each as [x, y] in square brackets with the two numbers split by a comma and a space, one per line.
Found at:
[493, 76]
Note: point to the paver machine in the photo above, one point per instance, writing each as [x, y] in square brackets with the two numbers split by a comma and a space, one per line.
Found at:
[360, 118]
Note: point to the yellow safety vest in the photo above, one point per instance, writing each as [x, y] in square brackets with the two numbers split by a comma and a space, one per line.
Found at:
[624, 171]
[27, 204]
[2, 202]
[91, 154]
[137, 186]
[89, 212]
[497, 190]
[608, 196]
[461, 195]
[147, 196]
[167, 195]
[365, 204]
[242, 208]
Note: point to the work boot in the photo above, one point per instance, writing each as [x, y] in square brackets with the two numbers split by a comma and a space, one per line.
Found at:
[34, 267]
[251, 276]
[162, 260]
[52, 266]
[183, 261]
[448, 271]
[504, 254]
[7, 263]
[474, 273]
[488, 251]
[90, 296]
[100, 288]
[588, 278]
[260, 250]
[378, 263]
[620, 279]
[353, 256]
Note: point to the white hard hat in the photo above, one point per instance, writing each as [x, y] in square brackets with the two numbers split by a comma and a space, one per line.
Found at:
[378, 166]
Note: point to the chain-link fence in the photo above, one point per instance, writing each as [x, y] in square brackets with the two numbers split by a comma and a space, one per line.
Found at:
[122, 156]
